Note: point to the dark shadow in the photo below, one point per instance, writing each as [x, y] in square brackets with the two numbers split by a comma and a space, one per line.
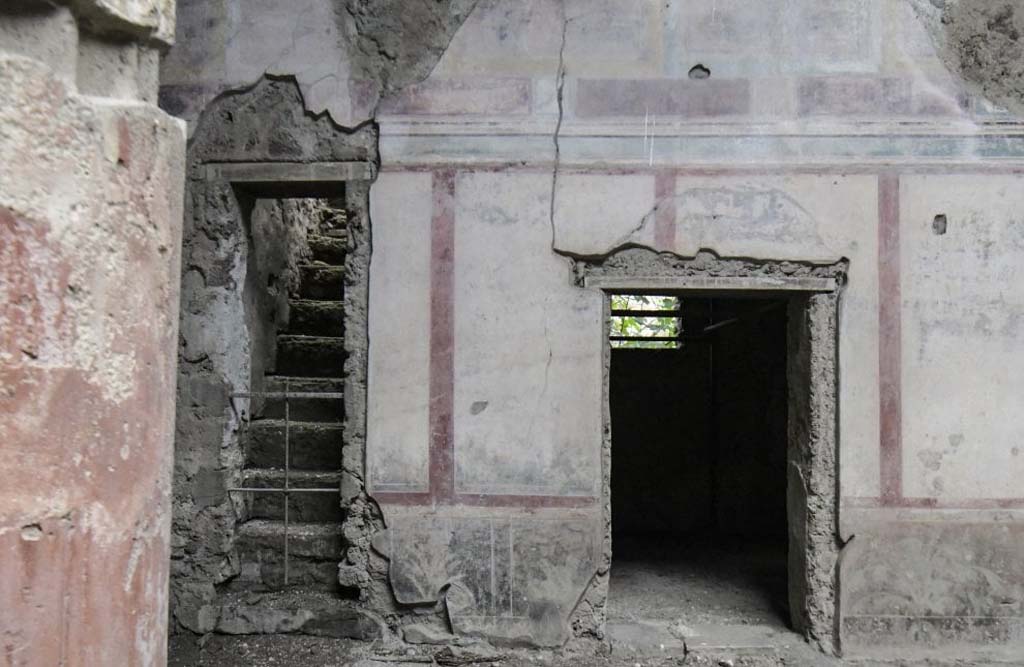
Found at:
[699, 445]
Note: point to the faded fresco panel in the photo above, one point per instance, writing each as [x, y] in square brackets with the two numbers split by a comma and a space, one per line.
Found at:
[963, 336]
[528, 347]
[397, 451]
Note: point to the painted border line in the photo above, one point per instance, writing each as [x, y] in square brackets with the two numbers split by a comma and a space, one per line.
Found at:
[442, 337]
[889, 340]
[665, 213]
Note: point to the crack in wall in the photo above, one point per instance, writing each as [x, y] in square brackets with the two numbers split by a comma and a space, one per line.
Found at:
[560, 99]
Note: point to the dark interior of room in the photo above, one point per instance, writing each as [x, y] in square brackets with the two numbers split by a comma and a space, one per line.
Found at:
[699, 437]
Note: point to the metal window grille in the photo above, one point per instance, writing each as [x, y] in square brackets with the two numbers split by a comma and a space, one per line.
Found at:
[637, 321]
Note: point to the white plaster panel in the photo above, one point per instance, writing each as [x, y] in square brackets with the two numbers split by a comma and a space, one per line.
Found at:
[397, 452]
[505, 38]
[595, 212]
[512, 38]
[963, 336]
[808, 217]
[613, 38]
[528, 361]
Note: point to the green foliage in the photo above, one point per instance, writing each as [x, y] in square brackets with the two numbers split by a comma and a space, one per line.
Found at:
[645, 326]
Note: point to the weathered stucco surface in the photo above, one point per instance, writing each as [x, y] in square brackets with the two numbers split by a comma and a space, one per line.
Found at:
[346, 55]
[823, 133]
[557, 130]
[90, 215]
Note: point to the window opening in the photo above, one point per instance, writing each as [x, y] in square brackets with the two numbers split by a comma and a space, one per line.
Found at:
[651, 321]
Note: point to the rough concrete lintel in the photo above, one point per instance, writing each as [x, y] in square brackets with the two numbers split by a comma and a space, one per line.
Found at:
[758, 284]
[256, 173]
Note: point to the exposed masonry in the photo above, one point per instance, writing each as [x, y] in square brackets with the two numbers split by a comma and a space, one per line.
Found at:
[812, 362]
[982, 41]
[240, 262]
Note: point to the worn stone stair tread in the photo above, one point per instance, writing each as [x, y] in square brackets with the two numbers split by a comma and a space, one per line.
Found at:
[297, 424]
[316, 317]
[323, 410]
[328, 249]
[306, 338]
[303, 609]
[302, 507]
[314, 551]
[320, 281]
[302, 383]
[270, 528]
[296, 478]
[293, 597]
[312, 445]
[311, 356]
[296, 427]
[316, 541]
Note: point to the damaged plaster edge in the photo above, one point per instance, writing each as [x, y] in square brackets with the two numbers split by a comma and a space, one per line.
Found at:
[721, 265]
[934, 15]
[236, 90]
[388, 91]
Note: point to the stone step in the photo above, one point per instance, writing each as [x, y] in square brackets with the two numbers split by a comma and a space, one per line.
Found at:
[302, 507]
[311, 445]
[328, 249]
[295, 610]
[321, 281]
[304, 409]
[310, 356]
[316, 318]
[314, 551]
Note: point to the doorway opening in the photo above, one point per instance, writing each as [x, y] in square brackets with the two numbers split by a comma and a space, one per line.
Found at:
[721, 448]
[698, 400]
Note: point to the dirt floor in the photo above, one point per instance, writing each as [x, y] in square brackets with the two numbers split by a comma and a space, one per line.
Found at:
[299, 650]
[699, 591]
[699, 580]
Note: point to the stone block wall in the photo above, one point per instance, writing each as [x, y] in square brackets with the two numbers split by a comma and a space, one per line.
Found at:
[90, 224]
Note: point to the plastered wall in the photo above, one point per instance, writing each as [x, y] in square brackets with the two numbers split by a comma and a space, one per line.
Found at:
[553, 130]
[90, 235]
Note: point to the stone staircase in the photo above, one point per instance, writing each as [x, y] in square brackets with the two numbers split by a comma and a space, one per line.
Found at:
[310, 358]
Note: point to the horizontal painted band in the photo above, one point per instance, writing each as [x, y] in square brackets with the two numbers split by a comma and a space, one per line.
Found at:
[707, 150]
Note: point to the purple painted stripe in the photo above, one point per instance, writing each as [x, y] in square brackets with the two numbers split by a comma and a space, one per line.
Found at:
[442, 338]
[889, 340]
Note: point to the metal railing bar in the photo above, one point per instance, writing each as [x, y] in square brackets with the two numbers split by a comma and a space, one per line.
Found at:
[289, 394]
[257, 489]
[667, 314]
[287, 474]
[652, 339]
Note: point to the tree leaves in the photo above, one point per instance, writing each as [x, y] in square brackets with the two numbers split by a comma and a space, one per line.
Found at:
[645, 326]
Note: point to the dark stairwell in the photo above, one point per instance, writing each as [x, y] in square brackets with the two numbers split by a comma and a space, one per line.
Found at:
[289, 556]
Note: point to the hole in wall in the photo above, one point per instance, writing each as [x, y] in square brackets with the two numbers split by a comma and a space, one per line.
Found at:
[939, 224]
[699, 71]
